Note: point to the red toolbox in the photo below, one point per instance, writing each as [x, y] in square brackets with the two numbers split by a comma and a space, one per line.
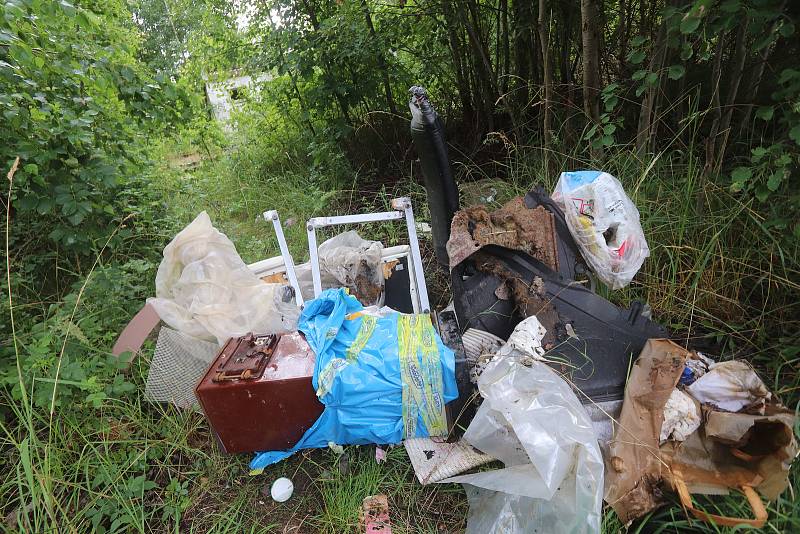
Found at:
[257, 394]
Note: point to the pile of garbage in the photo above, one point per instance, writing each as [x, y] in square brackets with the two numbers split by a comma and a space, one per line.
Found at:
[580, 400]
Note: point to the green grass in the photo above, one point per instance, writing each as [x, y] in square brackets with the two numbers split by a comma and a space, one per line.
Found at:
[718, 275]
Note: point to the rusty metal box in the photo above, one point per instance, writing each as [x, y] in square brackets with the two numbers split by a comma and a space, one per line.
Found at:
[257, 394]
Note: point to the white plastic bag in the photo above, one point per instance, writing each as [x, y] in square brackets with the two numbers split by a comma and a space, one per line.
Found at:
[532, 421]
[604, 223]
[731, 386]
[205, 290]
[347, 260]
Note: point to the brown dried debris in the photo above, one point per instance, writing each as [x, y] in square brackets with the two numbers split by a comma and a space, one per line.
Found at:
[513, 226]
[530, 296]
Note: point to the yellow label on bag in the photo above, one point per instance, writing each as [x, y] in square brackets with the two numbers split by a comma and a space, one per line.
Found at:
[421, 375]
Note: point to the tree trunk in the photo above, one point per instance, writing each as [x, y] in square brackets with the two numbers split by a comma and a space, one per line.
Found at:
[504, 42]
[755, 78]
[482, 63]
[644, 132]
[387, 86]
[591, 59]
[544, 45]
[715, 107]
[733, 90]
[456, 51]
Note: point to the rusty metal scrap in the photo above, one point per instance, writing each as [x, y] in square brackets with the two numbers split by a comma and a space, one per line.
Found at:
[513, 226]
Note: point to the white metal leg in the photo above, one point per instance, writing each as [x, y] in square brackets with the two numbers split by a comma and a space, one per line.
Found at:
[403, 209]
[272, 216]
[404, 203]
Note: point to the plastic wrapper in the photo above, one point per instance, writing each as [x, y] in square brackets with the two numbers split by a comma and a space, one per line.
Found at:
[347, 260]
[731, 386]
[205, 290]
[604, 223]
[382, 378]
[532, 421]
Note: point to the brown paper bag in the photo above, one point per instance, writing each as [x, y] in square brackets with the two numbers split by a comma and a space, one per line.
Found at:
[728, 451]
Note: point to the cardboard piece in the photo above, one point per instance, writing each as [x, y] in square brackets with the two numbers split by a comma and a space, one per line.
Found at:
[729, 451]
[635, 473]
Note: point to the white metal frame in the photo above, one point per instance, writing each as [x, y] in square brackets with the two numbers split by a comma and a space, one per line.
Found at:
[272, 216]
[403, 209]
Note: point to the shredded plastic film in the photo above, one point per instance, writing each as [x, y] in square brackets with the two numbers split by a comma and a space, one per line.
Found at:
[532, 421]
[604, 223]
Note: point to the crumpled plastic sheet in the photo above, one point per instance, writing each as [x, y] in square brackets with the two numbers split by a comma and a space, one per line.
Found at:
[730, 385]
[347, 260]
[532, 421]
[605, 224]
[205, 290]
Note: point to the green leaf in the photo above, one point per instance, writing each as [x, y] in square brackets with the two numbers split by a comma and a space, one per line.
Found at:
[775, 179]
[764, 42]
[686, 51]
[794, 134]
[731, 6]
[31, 168]
[607, 140]
[762, 194]
[639, 40]
[758, 153]
[689, 24]
[787, 29]
[641, 89]
[741, 174]
[765, 113]
[676, 72]
[651, 78]
[639, 74]
[45, 206]
[609, 129]
[636, 57]
[68, 8]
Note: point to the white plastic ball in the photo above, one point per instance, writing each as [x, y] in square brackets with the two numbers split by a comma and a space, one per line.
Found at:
[281, 489]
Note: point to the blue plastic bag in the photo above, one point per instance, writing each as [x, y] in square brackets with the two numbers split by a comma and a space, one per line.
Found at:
[381, 379]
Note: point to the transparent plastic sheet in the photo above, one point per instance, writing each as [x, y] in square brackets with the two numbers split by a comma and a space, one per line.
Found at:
[532, 421]
[605, 224]
[361, 376]
[205, 290]
[347, 260]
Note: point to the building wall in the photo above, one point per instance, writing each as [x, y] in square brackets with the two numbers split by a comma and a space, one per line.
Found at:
[221, 95]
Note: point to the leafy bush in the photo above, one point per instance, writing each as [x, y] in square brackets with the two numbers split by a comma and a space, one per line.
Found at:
[78, 109]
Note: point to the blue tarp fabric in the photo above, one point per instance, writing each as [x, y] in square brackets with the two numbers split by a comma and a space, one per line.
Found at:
[381, 378]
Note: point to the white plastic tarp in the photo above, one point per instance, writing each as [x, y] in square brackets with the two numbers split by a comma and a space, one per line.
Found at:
[205, 290]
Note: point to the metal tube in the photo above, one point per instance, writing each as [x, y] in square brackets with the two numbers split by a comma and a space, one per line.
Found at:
[314, 259]
[288, 261]
[416, 257]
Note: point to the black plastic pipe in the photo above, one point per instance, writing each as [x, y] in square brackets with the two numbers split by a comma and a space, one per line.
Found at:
[427, 131]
